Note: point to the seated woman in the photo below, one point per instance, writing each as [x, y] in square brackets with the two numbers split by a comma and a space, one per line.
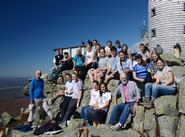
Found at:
[99, 113]
[164, 84]
[75, 100]
[56, 109]
[153, 64]
[93, 99]
[140, 73]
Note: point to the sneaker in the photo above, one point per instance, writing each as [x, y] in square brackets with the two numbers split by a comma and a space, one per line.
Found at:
[116, 127]
[150, 104]
[63, 125]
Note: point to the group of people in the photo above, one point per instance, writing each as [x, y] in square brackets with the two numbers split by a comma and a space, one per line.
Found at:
[143, 76]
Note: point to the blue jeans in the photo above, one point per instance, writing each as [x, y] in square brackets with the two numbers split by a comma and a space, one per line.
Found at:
[120, 113]
[153, 90]
[85, 112]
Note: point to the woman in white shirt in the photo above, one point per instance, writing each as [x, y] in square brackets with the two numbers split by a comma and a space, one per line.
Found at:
[94, 96]
[99, 113]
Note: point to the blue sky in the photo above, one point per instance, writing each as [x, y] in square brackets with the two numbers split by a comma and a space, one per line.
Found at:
[31, 29]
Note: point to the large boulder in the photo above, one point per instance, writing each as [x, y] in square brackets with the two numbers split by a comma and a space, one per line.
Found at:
[168, 126]
[138, 121]
[150, 124]
[181, 130]
[104, 131]
[113, 85]
[166, 105]
[182, 97]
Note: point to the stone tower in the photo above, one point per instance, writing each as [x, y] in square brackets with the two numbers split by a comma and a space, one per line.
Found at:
[166, 23]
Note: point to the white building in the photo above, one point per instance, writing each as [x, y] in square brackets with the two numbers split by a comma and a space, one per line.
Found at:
[166, 23]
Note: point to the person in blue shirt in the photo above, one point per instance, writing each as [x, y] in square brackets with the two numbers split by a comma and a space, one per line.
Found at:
[141, 75]
[118, 46]
[79, 64]
[36, 96]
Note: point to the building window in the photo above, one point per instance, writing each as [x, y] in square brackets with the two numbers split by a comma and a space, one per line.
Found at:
[153, 33]
[184, 29]
[184, 6]
[153, 12]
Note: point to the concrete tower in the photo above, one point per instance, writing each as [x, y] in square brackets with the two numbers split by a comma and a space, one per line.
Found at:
[166, 23]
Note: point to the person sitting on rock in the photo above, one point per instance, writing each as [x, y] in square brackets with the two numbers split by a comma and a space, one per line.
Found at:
[108, 48]
[90, 60]
[130, 95]
[164, 84]
[99, 113]
[57, 59]
[79, 64]
[94, 95]
[141, 75]
[144, 53]
[74, 103]
[36, 97]
[112, 72]
[66, 64]
[99, 73]
[50, 105]
[123, 64]
[153, 64]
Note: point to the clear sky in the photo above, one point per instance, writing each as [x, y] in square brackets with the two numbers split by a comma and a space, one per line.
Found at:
[31, 29]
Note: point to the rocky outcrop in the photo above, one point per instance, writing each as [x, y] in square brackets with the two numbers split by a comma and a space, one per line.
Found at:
[165, 120]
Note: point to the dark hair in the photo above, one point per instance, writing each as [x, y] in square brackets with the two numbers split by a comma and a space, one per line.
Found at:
[117, 42]
[96, 82]
[101, 93]
[67, 74]
[95, 40]
[142, 44]
[90, 43]
[113, 48]
[102, 48]
[109, 42]
[178, 46]
[66, 53]
[138, 56]
[125, 46]
[122, 52]
[160, 59]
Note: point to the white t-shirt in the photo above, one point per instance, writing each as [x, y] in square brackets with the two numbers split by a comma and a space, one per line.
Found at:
[103, 99]
[163, 75]
[94, 97]
[69, 88]
[90, 57]
[107, 50]
[77, 88]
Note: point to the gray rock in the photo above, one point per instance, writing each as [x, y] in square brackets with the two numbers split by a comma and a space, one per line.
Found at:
[168, 126]
[166, 105]
[150, 123]
[182, 97]
[104, 131]
[181, 130]
[138, 124]
[112, 85]
[6, 118]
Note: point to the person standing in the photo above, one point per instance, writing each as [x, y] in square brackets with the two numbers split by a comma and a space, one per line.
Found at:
[36, 96]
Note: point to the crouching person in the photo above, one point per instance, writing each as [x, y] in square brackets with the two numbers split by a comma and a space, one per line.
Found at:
[130, 95]
[98, 115]
[36, 96]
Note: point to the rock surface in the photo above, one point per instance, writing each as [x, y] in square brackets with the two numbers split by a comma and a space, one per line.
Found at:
[168, 126]
[168, 108]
